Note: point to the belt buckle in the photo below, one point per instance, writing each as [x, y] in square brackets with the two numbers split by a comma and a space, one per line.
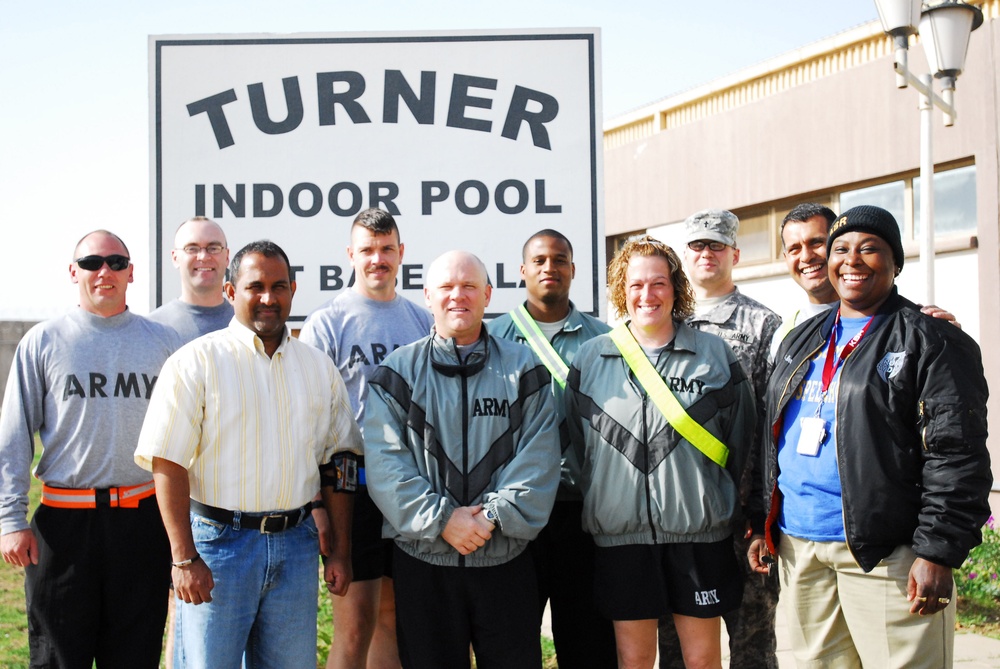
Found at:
[264, 529]
[102, 497]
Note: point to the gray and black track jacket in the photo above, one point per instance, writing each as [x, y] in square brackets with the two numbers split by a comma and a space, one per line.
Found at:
[642, 482]
[441, 432]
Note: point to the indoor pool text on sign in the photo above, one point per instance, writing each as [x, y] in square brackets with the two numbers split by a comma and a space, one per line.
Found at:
[471, 140]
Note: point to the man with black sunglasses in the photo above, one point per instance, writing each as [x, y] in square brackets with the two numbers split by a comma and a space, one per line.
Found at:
[95, 555]
[200, 255]
[710, 252]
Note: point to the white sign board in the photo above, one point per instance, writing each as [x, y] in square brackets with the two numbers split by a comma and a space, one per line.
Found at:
[471, 140]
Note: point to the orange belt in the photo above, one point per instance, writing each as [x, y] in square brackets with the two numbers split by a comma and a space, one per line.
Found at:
[125, 497]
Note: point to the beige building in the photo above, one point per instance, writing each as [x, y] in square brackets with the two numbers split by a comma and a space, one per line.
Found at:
[827, 124]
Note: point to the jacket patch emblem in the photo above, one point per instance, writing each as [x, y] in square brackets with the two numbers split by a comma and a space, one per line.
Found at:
[490, 406]
[890, 364]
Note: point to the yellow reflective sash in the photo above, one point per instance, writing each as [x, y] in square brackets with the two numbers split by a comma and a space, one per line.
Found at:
[528, 328]
[664, 400]
[787, 325]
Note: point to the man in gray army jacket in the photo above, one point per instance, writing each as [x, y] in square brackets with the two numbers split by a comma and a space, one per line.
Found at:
[555, 329]
[462, 458]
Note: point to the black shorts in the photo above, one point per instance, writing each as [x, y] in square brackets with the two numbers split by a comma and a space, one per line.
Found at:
[371, 555]
[641, 582]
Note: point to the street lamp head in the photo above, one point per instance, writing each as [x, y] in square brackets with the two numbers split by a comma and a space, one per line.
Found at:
[945, 29]
[899, 21]
[900, 18]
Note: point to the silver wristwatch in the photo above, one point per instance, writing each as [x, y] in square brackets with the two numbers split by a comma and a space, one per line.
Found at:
[490, 512]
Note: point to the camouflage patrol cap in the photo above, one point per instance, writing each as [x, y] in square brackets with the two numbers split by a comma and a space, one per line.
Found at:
[717, 225]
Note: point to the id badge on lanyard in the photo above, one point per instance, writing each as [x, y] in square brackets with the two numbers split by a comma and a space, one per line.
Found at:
[812, 433]
[813, 430]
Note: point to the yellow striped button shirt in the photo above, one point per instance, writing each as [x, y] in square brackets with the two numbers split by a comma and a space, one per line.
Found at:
[251, 430]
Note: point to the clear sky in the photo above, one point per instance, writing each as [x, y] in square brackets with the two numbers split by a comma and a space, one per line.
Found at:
[74, 131]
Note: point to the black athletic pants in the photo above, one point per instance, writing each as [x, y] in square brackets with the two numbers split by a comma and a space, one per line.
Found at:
[441, 610]
[99, 591]
[564, 560]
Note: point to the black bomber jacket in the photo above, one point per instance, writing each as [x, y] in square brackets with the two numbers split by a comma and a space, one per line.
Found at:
[910, 434]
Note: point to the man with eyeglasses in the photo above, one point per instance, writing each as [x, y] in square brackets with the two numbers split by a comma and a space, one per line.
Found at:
[200, 255]
[95, 555]
[710, 253]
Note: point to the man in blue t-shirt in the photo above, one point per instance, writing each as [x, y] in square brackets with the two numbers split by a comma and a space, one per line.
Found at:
[358, 329]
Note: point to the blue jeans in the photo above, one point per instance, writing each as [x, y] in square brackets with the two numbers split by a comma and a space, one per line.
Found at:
[263, 603]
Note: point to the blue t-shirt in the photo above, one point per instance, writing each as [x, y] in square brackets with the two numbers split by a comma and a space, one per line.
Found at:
[810, 484]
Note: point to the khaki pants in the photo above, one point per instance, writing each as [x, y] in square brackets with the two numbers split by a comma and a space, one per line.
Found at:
[839, 616]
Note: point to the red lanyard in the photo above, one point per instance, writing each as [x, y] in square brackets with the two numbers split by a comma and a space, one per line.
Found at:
[830, 366]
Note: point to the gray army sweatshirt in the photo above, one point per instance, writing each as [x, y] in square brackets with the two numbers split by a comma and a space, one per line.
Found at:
[83, 382]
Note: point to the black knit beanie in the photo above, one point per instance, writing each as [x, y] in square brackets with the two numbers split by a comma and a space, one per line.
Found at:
[875, 220]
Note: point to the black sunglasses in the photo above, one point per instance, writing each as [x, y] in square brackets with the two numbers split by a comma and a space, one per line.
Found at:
[93, 263]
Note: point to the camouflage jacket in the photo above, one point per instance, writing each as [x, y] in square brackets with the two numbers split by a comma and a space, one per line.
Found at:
[748, 327]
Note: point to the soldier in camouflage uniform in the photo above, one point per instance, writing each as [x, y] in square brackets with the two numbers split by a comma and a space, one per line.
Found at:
[710, 253]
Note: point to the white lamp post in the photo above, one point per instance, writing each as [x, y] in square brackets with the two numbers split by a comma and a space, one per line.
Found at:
[945, 28]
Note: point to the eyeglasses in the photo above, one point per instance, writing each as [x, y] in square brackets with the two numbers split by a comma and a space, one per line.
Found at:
[93, 263]
[211, 249]
[699, 246]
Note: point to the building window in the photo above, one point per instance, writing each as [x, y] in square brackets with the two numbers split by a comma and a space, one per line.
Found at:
[954, 202]
[890, 196]
[754, 236]
[759, 235]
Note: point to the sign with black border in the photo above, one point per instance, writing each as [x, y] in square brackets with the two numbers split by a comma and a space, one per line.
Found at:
[472, 140]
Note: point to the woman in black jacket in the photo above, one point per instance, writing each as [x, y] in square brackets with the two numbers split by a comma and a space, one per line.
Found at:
[876, 474]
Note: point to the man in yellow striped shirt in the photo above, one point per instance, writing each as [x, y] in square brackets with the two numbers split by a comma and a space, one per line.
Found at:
[244, 427]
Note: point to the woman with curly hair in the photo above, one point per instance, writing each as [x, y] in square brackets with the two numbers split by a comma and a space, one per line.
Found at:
[662, 418]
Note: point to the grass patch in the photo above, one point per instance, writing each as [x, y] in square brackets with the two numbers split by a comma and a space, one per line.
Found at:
[13, 617]
[324, 622]
[548, 654]
[977, 617]
[978, 585]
